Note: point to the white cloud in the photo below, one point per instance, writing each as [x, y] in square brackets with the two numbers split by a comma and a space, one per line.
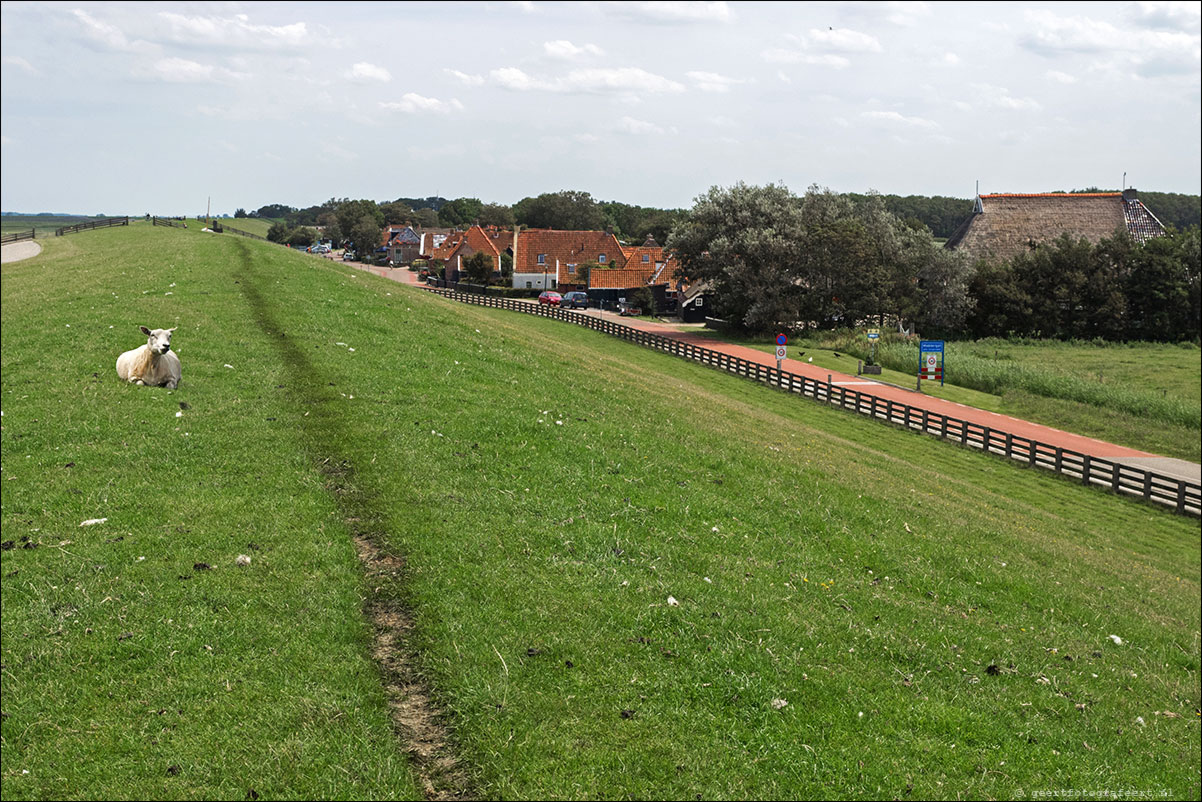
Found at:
[108, 35]
[525, 6]
[5, 141]
[712, 81]
[828, 48]
[587, 139]
[669, 12]
[1185, 16]
[21, 64]
[842, 40]
[1150, 52]
[413, 103]
[1061, 77]
[186, 71]
[948, 59]
[894, 118]
[363, 71]
[465, 79]
[234, 32]
[1000, 97]
[563, 49]
[587, 81]
[630, 125]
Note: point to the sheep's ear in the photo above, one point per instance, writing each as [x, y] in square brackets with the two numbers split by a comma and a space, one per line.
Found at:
[144, 330]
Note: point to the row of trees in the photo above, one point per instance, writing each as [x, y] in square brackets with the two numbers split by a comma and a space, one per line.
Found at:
[1115, 289]
[827, 260]
[821, 260]
[563, 210]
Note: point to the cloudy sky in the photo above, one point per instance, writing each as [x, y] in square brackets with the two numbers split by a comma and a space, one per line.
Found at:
[153, 107]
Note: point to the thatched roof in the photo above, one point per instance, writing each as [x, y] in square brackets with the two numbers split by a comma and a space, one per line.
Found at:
[1003, 226]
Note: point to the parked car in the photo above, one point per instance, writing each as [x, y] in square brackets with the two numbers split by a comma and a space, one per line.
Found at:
[551, 298]
[319, 248]
[575, 300]
[348, 256]
[627, 309]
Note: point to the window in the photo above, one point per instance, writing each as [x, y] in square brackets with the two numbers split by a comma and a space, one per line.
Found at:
[542, 258]
[646, 257]
[527, 285]
[601, 259]
[572, 269]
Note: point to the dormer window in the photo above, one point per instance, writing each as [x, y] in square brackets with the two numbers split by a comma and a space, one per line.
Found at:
[542, 258]
[646, 257]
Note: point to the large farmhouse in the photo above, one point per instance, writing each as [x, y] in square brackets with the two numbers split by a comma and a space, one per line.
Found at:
[1005, 225]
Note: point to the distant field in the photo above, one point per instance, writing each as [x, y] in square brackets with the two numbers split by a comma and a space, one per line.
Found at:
[1142, 395]
[626, 575]
[45, 226]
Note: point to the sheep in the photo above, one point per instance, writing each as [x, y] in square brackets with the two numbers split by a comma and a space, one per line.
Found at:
[152, 364]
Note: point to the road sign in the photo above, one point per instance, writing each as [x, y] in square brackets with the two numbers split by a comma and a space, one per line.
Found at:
[931, 365]
[782, 339]
[780, 352]
[874, 334]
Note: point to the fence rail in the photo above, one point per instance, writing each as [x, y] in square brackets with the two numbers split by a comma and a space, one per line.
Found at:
[163, 221]
[106, 223]
[1124, 480]
[242, 233]
[17, 236]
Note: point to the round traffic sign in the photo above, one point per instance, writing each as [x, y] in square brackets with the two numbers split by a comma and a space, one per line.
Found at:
[782, 339]
[780, 352]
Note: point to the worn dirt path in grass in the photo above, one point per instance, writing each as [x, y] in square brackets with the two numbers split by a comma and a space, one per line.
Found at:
[419, 725]
[1177, 468]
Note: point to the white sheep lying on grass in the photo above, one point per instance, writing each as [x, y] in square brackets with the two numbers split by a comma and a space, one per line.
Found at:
[152, 364]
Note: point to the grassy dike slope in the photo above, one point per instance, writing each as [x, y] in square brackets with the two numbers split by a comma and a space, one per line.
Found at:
[936, 621]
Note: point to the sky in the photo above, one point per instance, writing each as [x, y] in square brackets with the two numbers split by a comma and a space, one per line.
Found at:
[132, 108]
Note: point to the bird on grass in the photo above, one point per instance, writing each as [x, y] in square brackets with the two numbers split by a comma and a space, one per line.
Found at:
[836, 354]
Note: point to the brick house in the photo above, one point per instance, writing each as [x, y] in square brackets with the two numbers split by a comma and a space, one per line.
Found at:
[545, 258]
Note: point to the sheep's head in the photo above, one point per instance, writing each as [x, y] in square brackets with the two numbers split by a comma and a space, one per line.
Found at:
[159, 340]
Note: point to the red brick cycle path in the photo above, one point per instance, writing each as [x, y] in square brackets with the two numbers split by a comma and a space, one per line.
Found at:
[1181, 469]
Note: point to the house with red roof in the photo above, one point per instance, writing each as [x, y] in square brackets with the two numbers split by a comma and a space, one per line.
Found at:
[546, 258]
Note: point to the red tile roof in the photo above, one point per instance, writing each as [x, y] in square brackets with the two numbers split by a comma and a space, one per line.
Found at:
[621, 279]
[564, 247]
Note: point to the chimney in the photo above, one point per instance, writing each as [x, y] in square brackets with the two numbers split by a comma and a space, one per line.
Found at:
[1129, 194]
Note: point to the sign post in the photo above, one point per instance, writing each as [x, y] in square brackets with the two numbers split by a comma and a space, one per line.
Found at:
[930, 364]
[781, 343]
[873, 336]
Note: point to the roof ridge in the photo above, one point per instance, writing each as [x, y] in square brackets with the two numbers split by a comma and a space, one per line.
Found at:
[1053, 195]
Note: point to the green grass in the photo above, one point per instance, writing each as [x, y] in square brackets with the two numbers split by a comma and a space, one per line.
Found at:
[251, 225]
[1146, 398]
[545, 513]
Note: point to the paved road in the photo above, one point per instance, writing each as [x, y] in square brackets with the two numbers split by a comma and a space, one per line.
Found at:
[1168, 466]
[16, 251]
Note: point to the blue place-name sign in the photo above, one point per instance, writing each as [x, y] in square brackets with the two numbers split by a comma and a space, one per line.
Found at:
[931, 346]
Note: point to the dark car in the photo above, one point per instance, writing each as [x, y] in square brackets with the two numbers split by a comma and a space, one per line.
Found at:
[574, 300]
[549, 297]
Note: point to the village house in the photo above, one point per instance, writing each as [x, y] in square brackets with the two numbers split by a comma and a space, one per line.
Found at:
[405, 244]
[462, 245]
[1005, 225]
[546, 259]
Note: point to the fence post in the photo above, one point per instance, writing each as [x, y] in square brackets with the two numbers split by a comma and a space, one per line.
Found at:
[1085, 469]
[1148, 485]
[1114, 476]
[1180, 496]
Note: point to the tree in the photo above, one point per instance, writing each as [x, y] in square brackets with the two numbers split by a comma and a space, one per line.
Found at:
[278, 232]
[495, 214]
[239, 213]
[396, 213]
[274, 210]
[330, 226]
[302, 236]
[460, 212]
[364, 232]
[566, 210]
[478, 268]
[425, 218]
[352, 213]
[746, 241]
